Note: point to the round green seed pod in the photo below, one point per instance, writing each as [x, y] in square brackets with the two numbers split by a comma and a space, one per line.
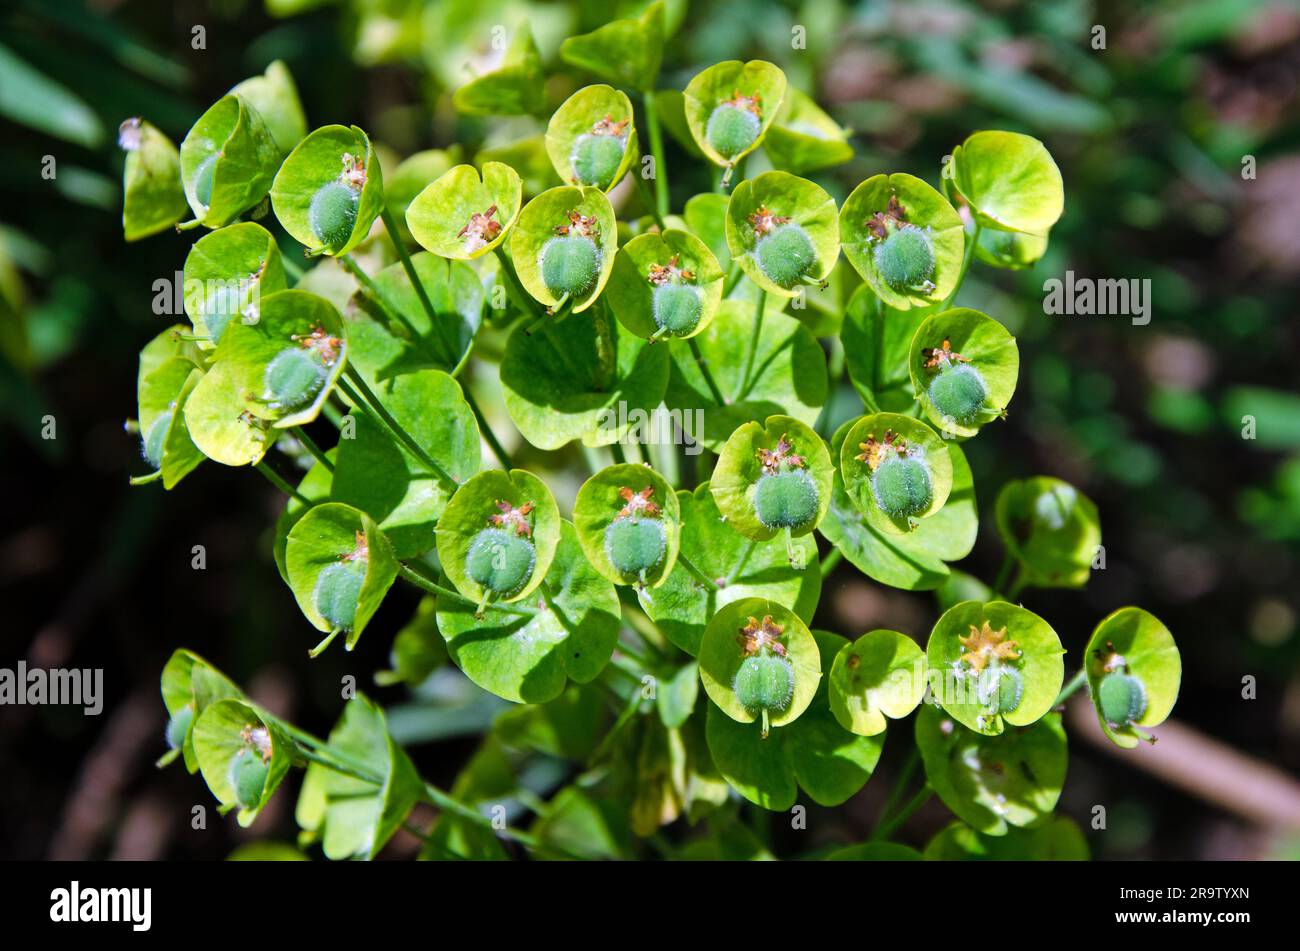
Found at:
[786, 254]
[1123, 698]
[152, 443]
[596, 158]
[902, 486]
[570, 265]
[247, 776]
[959, 392]
[294, 377]
[1000, 689]
[764, 682]
[203, 178]
[786, 499]
[332, 213]
[500, 560]
[677, 308]
[178, 727]
[635, 546]
[906, 258]
[731, 129]
[338, 589]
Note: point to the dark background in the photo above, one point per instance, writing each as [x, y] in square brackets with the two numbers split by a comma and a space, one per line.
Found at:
[1200, 526]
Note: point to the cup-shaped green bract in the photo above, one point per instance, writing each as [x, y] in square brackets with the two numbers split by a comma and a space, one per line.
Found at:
[228, 161]
[286, 356]
[804, 138]
[220, 424]
[339, 565]
[162, 391]
[905, 240]
[783, 231]
[774, 478]
[463, 215]
[665, 284]
[1059, 840]
[1052, 529]
[226, 274]
[752, 628]
[964, 366]
[994, 664]
[153, 198]
[497, 535]
[1009, 180]
[880, 675]
[564, 245]
[626, 52]
[591, 139]
[1013, 250]
[329, 190]
[275, 97]
[189, 685]
[896, 469]
[243, 753]
[730, 106]
[629, 524]
[1134, 671]
[515, 86]
[412, 176]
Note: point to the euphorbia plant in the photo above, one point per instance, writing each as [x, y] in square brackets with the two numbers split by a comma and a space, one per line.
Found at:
[316, 299]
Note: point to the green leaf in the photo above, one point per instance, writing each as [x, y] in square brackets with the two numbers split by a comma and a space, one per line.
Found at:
[226, 274]
[880, 675]
[804, 138]
[569, 727]
[624, 52]
[228, 161]
[275, 96]
[163, 393]
[442, 217]
[994, 783]
[30, 98]
[153, 198]
[220, 426]
[1009, 180]
[527, 652]
[706, 216]
[1059, 840]
[719, 84]
[189, 685]
[1010, 249]
[1132, 642]
[580, 824]
[418, 649]
[411, 177]
[231, 728]
[877, 342]
[875, 852]
[331, 183]
[590, 112]
[962, 341]
[1051, 528]
[557, 208]
[676, 696]
[653, 264]
[798, 206]
[517, 86]
[616, 494]
[911, 439]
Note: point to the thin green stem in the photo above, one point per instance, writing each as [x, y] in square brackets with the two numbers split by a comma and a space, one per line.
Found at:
[292, 268]
[1004, 573]
[399, 246]
[373, 291]
[831, 560]
[971, 241]
[616, 451]
[886, 829]
[657, 150]
[704, 372]
[733, 278]
[393, 426]
[278, 481]
[628, 650]
[1017, 586]
[648, 200]
[695, 572]
[734, 573]
[432, 587]
[498, 450]
[338, 766]
[1077, 681]
[310, 445]
[752, 349]
[523, 300]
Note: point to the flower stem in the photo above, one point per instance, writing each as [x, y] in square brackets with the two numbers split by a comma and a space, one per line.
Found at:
[831, 560]
[523, 300]
[1077, 681]
[399, 246]
[310, 445]
[744, 559]
[432, 587]
[393, 426]
[648, 201]
[695, 572]
[888, 828]
[498, 450]
[657, 150]
[753, 346]
[971, 241]
[278, 481]
[704, 372]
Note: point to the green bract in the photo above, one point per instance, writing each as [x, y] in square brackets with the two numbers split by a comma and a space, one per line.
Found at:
[665, 285]
[591, 139]
[1059, 840]
[153, 198]
[1009, 181]
[625, 52]
[189, 685]
[329, 190]
[243, 754]
[1134, 671]
[905, 240]
[515, 86]
[730, 106]
[463, 216]
[1052, 529]
[226, 274]
[275, 97]
[220, 424]
[773, 479]
[783, 232]
[340, 566]
[804, 138]
[994, 664]
[228, 160]
[880, 675]
[564, 244]
[964, 367]
[629, 524]
[896, 469]
[1010, 249]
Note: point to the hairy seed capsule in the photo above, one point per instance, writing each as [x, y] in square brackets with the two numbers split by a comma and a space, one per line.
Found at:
[958, 392]
[338, 589]
[570, 264]
[786, 254]
[635, 546]
[332, 213]
[764, 682]
[596, 158]
[902, 487]
[785, 499]
[294, 377]
[731, 129]
[203, 179]
[1123, 698]
[247, 774]
[677, 308]
[905, 259]
[178, 727]
[1000, 689]
[152, 443]
[501, 561]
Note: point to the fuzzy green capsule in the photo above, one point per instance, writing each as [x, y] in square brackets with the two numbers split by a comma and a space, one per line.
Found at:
[338, 591]
[764, 682]
[958, 392]
[1123, 698]
[677, 308]
[152, 442]
[905, 259]
[902, 486]
[635, 546]
[178, 727]
[596, 157]
[786, 499]
[732, 128]
[1000, 689]
[570, 264]
[204, 177]
[785, 254]
[501, 561]
[247, 774]
[293, 377]
[332, 213]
